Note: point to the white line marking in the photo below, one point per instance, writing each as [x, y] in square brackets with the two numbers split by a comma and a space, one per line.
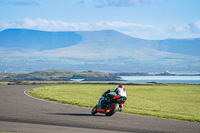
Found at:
[25, 92]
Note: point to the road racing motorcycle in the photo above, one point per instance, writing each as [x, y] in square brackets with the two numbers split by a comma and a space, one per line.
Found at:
[110, 104]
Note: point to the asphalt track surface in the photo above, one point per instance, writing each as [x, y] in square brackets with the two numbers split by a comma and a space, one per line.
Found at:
[22, 113]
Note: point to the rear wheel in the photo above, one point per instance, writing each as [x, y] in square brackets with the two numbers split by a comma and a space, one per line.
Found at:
[94, 110]
[112, 109]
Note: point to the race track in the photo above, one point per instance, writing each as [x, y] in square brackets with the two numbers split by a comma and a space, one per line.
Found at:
[24, 114]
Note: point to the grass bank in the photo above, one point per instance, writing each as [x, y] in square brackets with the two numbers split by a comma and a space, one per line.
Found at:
[6, 83]
[173, 101]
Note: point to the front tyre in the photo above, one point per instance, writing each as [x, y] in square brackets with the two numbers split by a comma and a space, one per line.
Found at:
[112, 109]
[94, 110]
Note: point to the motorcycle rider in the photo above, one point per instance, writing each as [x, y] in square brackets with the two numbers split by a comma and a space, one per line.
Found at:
[120, 90]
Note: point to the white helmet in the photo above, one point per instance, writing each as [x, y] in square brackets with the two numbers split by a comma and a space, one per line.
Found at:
[121, 90]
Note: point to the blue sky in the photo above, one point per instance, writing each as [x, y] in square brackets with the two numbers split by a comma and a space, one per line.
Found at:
[147, 19]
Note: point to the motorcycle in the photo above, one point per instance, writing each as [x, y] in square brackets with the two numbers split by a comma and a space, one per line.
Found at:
[110, 104]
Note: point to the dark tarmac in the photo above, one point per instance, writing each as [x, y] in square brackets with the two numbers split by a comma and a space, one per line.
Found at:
[22, 113]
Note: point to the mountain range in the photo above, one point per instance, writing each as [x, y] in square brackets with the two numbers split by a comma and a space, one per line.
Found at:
[24, 50]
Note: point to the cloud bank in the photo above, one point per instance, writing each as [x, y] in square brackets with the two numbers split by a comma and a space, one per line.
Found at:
[195, 26]
[191, 30]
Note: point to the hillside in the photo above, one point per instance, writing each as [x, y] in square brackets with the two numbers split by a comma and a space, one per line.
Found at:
[23, 50]
[180, 46]
[37, 40]
[60, 75]
[42, 40]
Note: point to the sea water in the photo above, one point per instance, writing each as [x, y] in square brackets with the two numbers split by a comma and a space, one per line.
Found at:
[163, 79]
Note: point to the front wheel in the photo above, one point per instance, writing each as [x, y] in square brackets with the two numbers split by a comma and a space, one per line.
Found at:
[94, 110]
[112, 109]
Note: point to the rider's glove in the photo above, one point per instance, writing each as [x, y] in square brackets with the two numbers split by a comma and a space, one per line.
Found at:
[104, 94]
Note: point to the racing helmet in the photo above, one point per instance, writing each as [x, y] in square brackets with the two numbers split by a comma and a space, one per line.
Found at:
[121, 90]
[120, 86]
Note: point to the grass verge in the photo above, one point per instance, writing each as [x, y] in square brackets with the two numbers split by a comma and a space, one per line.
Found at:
[5, 83]
[174, 101]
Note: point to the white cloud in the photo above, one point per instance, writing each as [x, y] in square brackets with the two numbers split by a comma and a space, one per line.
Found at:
[53, 25]
[43, 24]
[119, 24]
[136, 30]
[191, 30]
[195, 26]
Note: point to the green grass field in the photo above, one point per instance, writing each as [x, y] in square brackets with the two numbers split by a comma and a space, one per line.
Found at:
[174, 101]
